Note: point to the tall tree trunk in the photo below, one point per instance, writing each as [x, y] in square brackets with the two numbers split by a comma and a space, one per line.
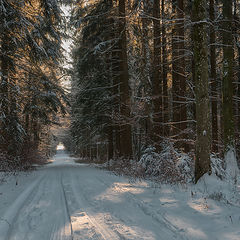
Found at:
[110, 143]
[203, 142]
[4, 93]
[179, 75]
[157, 83]
[126, 131]
[213, 78]
[35, 131]
[236, 32]
[115, 71]
[146, 71]
[227, 88]
[164, 73]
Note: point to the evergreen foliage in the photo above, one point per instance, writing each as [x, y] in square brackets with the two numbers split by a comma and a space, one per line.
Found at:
[30, 55]
[92, 86]
[167, 71]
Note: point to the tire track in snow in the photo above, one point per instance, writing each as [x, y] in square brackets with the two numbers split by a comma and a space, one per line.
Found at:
[119, 220]
[144, 207]
[43, 214]
[66, 206]
[24, 222]
[88, 214]
[12, 213]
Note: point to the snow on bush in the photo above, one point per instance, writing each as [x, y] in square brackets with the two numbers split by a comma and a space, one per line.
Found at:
[220, 185]
[168, 166]
[230, 160]
[126, 167]
[212, 187]
[217, 167]
[7, 163]
[13, 164]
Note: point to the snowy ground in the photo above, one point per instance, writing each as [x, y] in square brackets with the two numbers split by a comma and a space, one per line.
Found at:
[64, 200]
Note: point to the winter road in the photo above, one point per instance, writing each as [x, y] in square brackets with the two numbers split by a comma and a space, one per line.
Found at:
[69, 201]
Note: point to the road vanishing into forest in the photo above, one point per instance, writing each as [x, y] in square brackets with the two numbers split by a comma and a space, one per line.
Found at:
[65, 200]
[75, 201]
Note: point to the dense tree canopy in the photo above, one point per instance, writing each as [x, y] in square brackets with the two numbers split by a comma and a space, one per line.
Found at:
[145, 75]
[30, 57]
[145, 72]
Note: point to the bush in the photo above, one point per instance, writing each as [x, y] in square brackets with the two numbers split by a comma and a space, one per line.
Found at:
[164, 166]
[168, 166]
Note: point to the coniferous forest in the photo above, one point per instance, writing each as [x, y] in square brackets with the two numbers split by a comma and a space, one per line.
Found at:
[119, 119]
[30, 91]
[151, 75]
[150, 80]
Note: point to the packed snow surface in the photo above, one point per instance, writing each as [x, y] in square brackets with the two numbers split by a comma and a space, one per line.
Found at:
[65, 200]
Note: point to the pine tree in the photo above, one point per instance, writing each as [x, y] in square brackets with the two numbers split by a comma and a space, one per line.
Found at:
[30, 53]
[92, 80]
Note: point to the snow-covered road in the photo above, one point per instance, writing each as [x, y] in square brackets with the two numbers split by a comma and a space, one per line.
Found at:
[70, 201]
[67, 201]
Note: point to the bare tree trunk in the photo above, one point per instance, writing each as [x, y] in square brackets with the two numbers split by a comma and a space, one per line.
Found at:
[126, 131]
[236, 33]
[164, 74]
[213, 78]
[115, 68]
[146, 72]
[203, 143]
[4, 93]
[110, 143]
[227, 88]
[179, 75]
[157, 83]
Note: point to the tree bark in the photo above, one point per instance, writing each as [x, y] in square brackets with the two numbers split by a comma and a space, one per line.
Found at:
[157, 82]
[236, 33]
[227, 75]
[4, 92]
[146, 71]
[227, 87]
[110, 143]
[125, 101]
[179, 75]
[164, 74]
[203, 142]
[213, 78]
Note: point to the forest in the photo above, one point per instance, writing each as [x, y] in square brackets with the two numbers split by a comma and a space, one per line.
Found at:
[30, 71]
[119, 119]
[152, 82]
[155, 79]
